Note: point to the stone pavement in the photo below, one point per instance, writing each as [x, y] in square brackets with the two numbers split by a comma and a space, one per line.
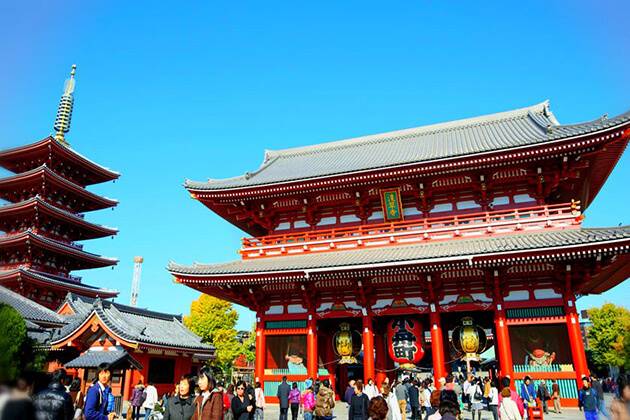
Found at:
[341, 413]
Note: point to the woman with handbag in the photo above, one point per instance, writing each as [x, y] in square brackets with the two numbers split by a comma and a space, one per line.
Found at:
[528, 395]
[475, 396]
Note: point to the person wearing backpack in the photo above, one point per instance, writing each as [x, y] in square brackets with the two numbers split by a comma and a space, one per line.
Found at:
[137, 398]
[588, 400]
[308, 400]
[324, 402]
[543, 395]
[97, 396]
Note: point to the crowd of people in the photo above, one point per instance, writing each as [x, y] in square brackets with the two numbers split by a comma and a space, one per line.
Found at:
[201, 397]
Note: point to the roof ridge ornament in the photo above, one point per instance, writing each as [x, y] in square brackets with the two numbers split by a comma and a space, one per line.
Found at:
[64, 110]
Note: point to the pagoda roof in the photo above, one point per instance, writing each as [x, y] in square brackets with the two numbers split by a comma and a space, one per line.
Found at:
[432, 253]
[31, 239]
[32, 155]
[31, 311]
[134, 325]
[37, 204]
[90, 200]
[57, 282]
[505, 131]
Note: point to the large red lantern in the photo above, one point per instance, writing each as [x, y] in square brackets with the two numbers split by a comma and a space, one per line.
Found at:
[404, 341]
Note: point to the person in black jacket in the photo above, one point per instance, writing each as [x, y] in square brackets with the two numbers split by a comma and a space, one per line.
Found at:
[181, 406]
[358, 409]
[241, 405]
[283, 398]
[414, 399]
[54, 403]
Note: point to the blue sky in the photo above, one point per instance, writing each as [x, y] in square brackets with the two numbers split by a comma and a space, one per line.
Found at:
[168, 91]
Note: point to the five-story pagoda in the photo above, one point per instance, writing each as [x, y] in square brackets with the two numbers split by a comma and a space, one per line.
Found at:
[43, 218]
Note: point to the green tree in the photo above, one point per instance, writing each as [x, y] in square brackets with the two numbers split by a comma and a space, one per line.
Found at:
[214, 320]
[609, 336]
[13, 342]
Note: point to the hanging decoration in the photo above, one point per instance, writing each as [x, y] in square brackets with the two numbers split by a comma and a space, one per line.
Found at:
[469, 340]
[343, 344]
[404, 341]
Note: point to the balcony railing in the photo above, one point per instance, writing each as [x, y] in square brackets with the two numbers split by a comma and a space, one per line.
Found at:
[437, 228]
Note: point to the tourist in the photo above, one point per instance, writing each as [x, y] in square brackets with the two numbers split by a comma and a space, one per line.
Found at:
[441, 383]
[283, 398]
[425, 398]
[358, 408]
[259, 402]
[324, 402]
[294, 401]
[377, 409]
[542, 393]
[370, 389]
[242, 404]
[150, 400]
[137, 399]
[434, 402]
[414, 399]
[620, 407]
[402, 394]
[228, 395]
[209, 403]
[392, 403]
[181, 406]
[98, 395]
[465, 387]
[588, 400]
[598, 387]
[249, 390]
[18, 404]
[54, 402]
[505, 382]
[347, 395]
[308, 400]
[493, 398]
[316, 386]
[555, 396]
[486, 389]
[475, 397]
[508, 408]
[449, 407]
[528, 393]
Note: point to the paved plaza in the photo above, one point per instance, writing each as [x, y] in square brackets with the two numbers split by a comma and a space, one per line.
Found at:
[341, 412]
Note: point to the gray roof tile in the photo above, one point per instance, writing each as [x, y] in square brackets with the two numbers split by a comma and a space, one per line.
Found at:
[92, 359]
[521, 127]
[425, 251]
[133, 324]
[30, 310]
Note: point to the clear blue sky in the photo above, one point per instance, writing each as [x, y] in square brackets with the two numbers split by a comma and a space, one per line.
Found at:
[168, 91]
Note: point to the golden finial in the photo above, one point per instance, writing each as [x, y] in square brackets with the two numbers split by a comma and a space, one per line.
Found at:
[64, 112]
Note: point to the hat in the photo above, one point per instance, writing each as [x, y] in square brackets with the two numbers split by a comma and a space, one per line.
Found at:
[308, 383]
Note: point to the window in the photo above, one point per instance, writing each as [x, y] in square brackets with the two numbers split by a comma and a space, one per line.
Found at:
[162, 371]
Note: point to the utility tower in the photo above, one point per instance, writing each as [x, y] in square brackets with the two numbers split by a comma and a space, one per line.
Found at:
[135, 282]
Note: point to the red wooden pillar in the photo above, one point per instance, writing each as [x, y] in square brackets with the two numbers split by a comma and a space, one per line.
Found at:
[437, 339]
[575, 333]
[381, 362]
[311, 348]
[259, 364]
[502, 339]
[437, 344]
[368, 347]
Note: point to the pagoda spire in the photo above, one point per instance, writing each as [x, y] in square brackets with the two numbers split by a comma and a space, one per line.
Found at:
[64, 111]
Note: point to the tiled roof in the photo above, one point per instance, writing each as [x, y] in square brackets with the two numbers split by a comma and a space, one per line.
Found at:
[506, 130]
[133, 324]
[59, 281]
[30, 310]
[114, 357]
[99, 172]
[37, 203]
[425, 252]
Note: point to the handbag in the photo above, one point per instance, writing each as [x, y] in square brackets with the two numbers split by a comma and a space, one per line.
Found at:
[478, 394]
